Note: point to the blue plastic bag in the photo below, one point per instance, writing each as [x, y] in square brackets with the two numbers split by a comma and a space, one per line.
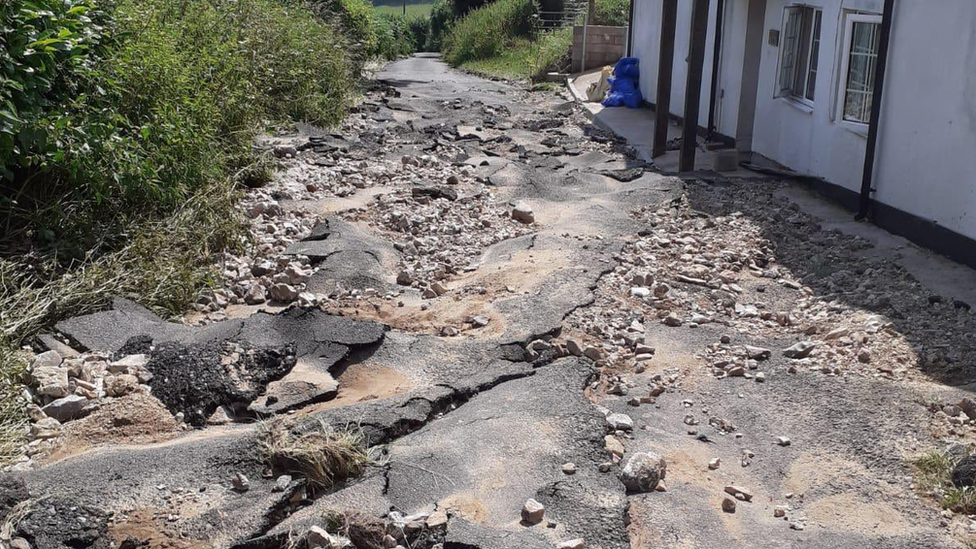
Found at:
[624, 84]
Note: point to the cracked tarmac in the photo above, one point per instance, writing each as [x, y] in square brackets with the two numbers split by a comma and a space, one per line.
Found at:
[466, 424]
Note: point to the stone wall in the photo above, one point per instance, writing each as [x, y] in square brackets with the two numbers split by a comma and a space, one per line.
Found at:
[604, 46]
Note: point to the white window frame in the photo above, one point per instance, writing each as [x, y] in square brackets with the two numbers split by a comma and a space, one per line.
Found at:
[860, 128]
[790, 94]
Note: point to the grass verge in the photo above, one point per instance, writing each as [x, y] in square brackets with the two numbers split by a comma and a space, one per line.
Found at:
[524, 58]
[323, 456]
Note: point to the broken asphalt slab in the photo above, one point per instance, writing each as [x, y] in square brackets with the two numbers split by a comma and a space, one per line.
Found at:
[462, 462]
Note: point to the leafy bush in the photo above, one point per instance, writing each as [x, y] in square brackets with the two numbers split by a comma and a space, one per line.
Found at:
[355, 18]
[486, 31]
[170, 105]
[613, 13]
[396, 35]
[45, 47]
[124, 126]
[419, 32]
[442, 17]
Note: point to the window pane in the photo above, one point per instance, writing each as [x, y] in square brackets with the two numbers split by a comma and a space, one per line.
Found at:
[791, 38]
[861, 71]
[814, 56]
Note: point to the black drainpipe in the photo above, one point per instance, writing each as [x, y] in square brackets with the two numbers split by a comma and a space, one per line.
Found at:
[630, 29]
[716, 54]
[879, 76]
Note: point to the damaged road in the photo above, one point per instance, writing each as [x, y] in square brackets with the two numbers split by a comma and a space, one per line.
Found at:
[512, 334]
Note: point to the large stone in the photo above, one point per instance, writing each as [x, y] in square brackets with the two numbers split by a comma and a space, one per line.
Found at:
[128, 364]
[800, 350]
[284, 293]
[523, 213]
[642, 472]
[613, 445]
[968, 407]
[533, 512]
[318, 538]
[757, 353]
[620, 422]
[66, 408]
[49, 376]
[964, 473]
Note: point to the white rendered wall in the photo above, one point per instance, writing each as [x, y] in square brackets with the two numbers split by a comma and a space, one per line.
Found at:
[926, 157]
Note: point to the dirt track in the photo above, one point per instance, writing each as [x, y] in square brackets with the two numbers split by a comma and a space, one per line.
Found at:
[441, 366]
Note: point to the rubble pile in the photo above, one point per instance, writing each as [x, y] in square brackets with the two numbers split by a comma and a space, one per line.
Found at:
[763, 270]
[65, 389]
[440, 234]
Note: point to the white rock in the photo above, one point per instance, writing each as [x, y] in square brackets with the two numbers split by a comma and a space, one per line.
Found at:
[523, 213]
[533, 512]
[66, 408]
[620, 422]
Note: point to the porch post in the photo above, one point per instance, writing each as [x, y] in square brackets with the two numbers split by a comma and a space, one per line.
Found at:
[696, 63]
[665, 63]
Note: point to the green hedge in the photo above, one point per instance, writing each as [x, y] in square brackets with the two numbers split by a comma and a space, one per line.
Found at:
[613, 13]
[486, 31]
[154, 100]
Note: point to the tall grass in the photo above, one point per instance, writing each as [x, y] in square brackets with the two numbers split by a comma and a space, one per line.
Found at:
[486, 31]
[524, 58]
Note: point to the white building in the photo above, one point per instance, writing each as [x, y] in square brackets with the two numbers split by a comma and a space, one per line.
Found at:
[795, 83]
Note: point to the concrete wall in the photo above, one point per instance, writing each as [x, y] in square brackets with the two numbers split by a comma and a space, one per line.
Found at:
[604, 46]
[647, 37]
[925, 162]
[926, 157]
[808, 139]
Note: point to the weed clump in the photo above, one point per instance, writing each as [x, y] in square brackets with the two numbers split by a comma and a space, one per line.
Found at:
[322, 455]
[933, 477]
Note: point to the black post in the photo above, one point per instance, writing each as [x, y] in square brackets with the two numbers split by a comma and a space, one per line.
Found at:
[665, 63]
[716, 55]
[630, 29]
[696, 64]
[867, 176]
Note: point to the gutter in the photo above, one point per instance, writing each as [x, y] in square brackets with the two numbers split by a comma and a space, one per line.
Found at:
[867, 175]
[716, 54]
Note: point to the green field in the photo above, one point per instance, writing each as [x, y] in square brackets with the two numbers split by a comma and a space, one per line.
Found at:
[413, 10]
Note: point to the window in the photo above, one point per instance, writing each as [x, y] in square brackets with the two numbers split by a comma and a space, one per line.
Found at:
[800, 54]
[860, 59]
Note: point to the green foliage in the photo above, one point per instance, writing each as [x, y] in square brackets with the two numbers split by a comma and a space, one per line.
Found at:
[168, 106]
[442, 17]
[528, 59]
[612, 13]
[126, 125]
[355, 19]
[486, 31]
[933, 477]
[397, 35]
[45, 47]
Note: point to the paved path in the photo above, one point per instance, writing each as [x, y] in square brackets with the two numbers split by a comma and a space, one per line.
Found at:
[474, 424]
